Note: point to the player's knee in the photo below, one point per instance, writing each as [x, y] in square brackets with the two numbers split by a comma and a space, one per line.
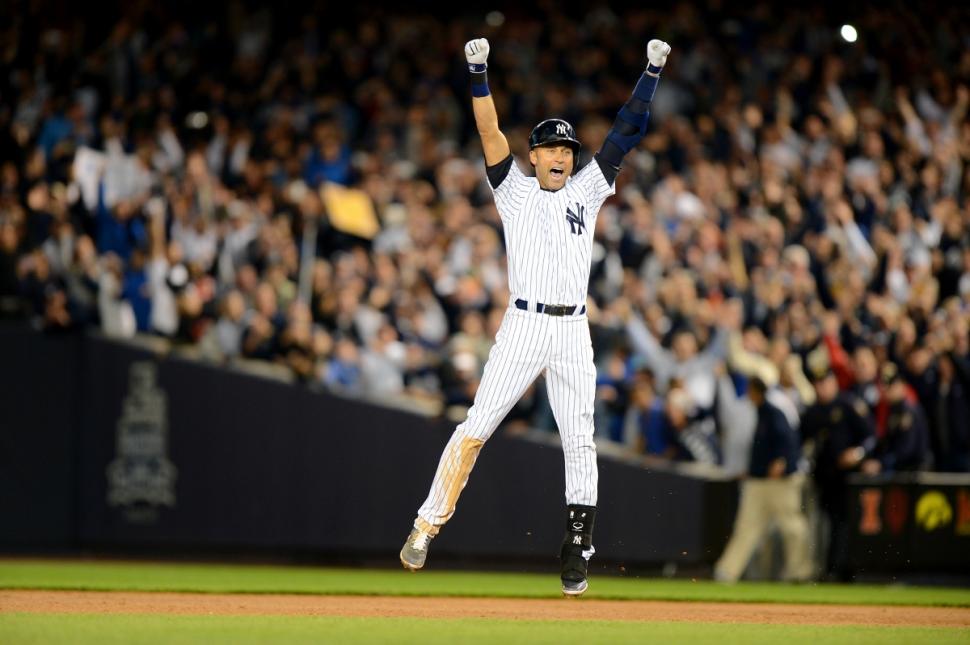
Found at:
[472, 429]
[579, 446]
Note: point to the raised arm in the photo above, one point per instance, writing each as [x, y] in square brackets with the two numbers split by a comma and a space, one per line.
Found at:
[631, 122]
[494, 143]
[658, 358]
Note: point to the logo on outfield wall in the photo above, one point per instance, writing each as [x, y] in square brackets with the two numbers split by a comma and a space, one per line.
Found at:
[869, 522]
[933, 511]
[897, 510]
[141, 478]
[963, 512]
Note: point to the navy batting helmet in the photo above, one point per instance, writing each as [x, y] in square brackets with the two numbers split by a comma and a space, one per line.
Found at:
[554, 131]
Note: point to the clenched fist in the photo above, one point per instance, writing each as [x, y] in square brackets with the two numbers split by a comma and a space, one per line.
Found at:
[476, 51]
[657, 51]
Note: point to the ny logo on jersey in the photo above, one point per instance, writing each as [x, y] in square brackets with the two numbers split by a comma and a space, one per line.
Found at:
[561, 128]
[577, 219]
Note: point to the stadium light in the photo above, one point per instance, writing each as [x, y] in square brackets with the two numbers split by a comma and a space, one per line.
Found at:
[849, 33]
[197, 120]
[495, 18]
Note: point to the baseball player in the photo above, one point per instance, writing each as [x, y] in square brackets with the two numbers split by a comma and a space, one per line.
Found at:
[548, 222]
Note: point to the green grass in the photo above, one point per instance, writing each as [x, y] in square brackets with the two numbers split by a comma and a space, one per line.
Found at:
[105, 576]
[16, 629]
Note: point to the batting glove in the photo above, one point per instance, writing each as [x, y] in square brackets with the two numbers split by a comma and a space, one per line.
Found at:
[476, 53]
[657, 51]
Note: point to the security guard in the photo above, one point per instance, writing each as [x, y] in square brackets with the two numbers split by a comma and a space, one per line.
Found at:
[770, 495]
[902, 438]
[841, 439]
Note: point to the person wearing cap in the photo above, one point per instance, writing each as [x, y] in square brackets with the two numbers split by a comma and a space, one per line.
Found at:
[771, 495]
[548, 223]
[840, 437]
[902, 436]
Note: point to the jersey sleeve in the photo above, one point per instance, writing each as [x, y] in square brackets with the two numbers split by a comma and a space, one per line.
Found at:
[510, 190]
[594, 185]
[496, 174]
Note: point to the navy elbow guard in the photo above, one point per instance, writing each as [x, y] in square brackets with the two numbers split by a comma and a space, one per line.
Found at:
[631, 122]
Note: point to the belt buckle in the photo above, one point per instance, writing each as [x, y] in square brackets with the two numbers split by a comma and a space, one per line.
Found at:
[557, 310]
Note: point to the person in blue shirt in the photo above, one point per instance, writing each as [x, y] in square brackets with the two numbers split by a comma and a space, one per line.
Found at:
[329, 160]
[771, 495]
[120, 229]
[136, 291]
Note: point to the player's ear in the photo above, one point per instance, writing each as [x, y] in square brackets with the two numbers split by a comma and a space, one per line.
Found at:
[533, 157]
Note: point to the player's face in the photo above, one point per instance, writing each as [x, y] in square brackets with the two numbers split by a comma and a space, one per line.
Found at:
[553, 165]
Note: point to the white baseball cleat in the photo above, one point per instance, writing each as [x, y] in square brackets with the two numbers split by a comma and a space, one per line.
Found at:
[415, 550]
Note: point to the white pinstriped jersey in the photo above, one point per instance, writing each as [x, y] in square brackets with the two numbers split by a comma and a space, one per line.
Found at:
[549, 235]
[549, 243]
[549, 246]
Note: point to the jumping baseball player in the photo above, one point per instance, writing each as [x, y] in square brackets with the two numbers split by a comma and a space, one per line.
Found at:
[548, 221]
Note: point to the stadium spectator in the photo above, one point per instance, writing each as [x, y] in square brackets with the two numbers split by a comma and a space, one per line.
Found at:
[791, 194]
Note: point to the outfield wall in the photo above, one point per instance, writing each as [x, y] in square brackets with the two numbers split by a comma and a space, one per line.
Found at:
[39, 380]
[112, 447]
[910, 521]
[108, 446]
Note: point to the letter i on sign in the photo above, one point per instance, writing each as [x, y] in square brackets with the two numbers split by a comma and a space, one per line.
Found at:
[869, 522]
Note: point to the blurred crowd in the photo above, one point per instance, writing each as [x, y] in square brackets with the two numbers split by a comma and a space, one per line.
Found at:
[311, 192]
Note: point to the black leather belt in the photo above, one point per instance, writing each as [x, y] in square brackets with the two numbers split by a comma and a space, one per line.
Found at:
[552, 310]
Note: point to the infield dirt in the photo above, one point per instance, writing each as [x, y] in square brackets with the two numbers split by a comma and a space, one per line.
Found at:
[92, 602]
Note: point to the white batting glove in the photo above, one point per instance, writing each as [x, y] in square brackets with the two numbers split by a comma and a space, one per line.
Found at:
[657, 51]
[476, 53]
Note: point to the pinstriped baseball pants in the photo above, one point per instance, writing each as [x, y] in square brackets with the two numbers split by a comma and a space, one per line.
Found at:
[527, 345]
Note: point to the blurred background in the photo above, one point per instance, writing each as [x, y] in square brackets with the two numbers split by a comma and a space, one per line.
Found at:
[295, 192]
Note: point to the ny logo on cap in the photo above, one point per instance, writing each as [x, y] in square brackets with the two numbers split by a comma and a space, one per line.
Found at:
[561, 128]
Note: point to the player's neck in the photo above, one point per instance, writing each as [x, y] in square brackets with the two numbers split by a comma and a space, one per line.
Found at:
[550, 189]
